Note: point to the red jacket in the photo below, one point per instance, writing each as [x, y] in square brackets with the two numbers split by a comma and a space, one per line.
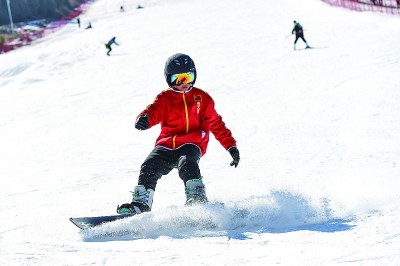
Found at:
[187, 117]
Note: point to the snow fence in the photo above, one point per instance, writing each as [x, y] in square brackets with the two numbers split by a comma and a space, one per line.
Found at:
[384, 6]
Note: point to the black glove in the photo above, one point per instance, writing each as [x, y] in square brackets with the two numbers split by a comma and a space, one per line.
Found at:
[235, 156]
[142, 123]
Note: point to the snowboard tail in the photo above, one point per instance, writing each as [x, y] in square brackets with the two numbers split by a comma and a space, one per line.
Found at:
[89, 222]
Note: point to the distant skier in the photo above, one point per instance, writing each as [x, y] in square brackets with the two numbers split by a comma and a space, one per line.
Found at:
[108, 45]
[298, 30]
[79, 22]
[89, 26]
[186, 115]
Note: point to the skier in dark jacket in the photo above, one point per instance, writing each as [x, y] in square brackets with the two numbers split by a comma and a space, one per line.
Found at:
[108, 45]
[298, 30]
[187, 116]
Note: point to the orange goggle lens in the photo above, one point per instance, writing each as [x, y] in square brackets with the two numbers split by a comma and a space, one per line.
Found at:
[182, 78]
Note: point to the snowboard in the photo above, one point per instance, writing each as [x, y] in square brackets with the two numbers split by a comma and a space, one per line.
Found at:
[89, 222]
[311, 47]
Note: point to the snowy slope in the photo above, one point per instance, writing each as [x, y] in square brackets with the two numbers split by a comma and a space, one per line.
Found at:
[318, 131]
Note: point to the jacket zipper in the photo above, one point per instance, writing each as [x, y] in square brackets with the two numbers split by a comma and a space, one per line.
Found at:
[173, 142]
[187, 121]
[186, 113]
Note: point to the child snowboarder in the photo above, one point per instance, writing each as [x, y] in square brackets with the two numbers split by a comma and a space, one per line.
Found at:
[298, 29]
[187, 115]
[108, 45]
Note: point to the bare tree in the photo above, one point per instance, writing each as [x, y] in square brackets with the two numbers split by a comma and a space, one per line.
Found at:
[25, 10]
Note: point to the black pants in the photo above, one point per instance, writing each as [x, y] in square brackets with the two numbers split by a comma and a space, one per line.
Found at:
[161, 161]
[301, 36]
[108, 48]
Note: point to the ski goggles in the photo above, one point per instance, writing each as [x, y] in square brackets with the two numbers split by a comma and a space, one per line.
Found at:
[182, 78]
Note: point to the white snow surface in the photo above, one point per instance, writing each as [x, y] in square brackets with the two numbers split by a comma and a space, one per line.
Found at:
[318, 132]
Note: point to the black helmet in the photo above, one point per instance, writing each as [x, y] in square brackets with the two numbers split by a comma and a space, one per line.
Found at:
[179, 63]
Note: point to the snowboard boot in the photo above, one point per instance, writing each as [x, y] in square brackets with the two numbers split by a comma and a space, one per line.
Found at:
[141, 201]
[195, 192]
